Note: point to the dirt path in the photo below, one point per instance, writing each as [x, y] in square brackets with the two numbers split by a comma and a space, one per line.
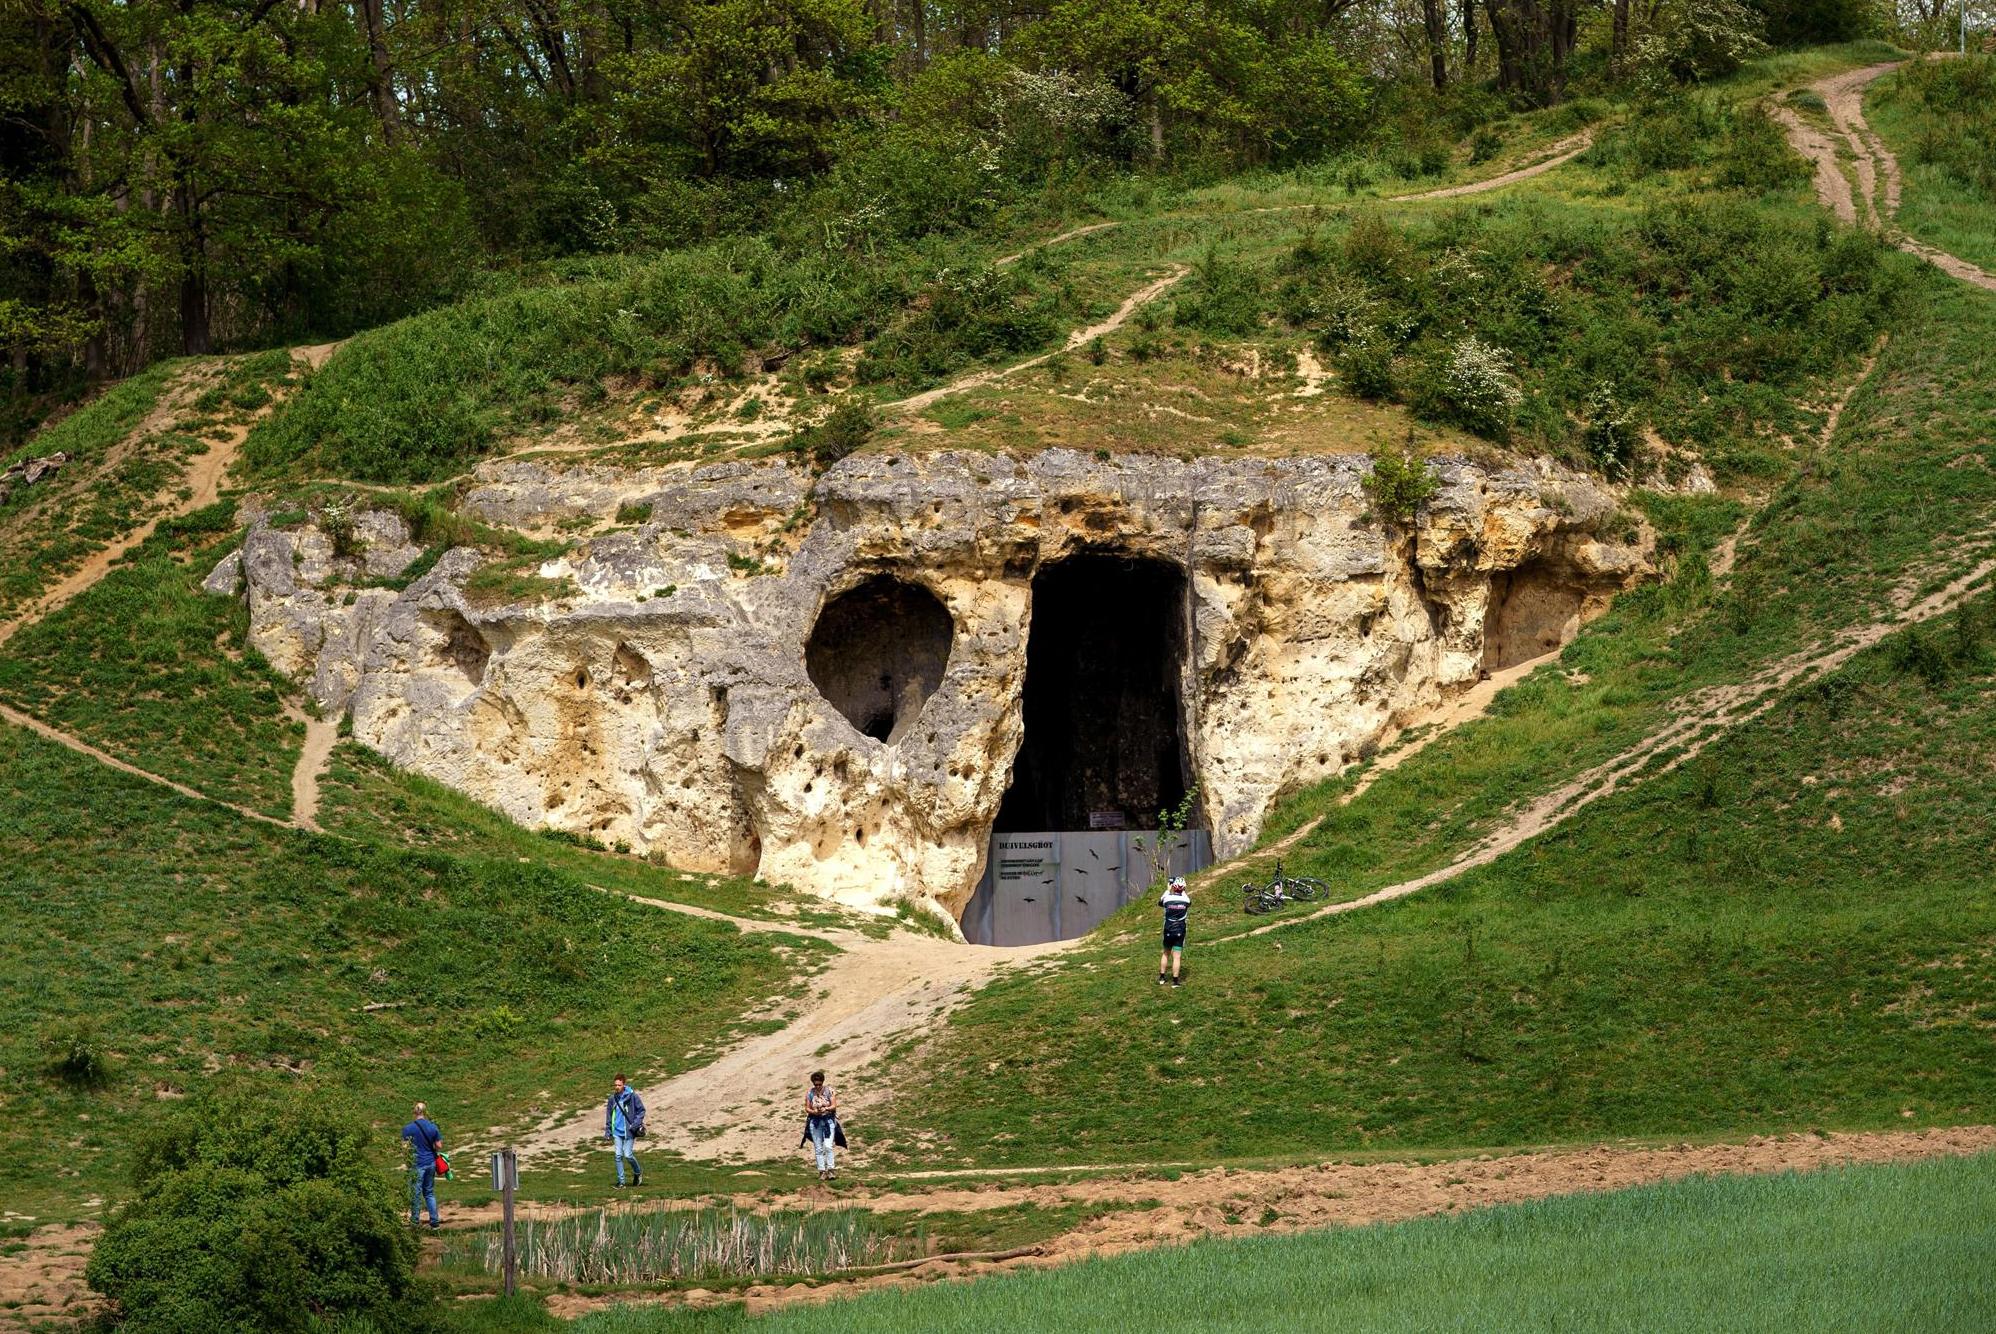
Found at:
[202, 484]
[1559, 155]
[1080, 338]
[84, 748]
[1233, 1202]
[745, 1104]
[320, 738]
[1705, 717]
[1879, 181]
[41, 1284]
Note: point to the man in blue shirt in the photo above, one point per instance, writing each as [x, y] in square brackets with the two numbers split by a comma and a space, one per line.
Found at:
[624, 1121]
[427, 1141]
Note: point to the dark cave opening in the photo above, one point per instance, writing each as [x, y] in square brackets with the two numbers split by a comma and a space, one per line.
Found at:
[878, 651]
[1104, 743]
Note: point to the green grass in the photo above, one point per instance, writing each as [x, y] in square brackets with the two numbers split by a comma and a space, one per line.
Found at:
[1939, 120]
[365, 796]
[153, 670]
[1702, 955]
[183, 942]
[47, 530]
[422, 399]
[1880, 1248]
[1791, 931]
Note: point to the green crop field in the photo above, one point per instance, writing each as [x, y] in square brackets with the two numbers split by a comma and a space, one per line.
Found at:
[1886, 1248]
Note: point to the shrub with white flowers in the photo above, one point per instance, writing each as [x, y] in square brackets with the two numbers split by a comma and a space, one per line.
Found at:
[1476, 389]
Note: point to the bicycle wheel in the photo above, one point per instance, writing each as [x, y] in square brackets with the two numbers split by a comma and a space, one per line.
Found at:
[1257, 901]
[1306, 888]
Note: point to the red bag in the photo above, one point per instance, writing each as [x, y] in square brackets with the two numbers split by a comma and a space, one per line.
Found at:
[443, 1167]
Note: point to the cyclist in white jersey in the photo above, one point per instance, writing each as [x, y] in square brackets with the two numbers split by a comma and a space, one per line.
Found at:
[1177, 905]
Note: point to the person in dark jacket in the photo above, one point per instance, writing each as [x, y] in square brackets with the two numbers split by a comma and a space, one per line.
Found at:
[624, 1121]
[426, 1142]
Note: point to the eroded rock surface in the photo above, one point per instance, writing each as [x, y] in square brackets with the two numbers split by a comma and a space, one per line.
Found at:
[659, 694]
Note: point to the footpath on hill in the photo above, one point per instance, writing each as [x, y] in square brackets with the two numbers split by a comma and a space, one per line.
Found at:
[1879, 183]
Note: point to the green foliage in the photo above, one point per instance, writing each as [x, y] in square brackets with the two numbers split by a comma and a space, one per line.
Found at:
[1399, 484]
[1842, 1248]
[73, 1054]
[257, 1211]
[634, 512]
[157, 672]
[1701, 319]
[1939, 117]
[196, 941]
[968, 315]
[849, 425]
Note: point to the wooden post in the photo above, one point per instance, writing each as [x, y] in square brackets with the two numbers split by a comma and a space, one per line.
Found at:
[509, 1174]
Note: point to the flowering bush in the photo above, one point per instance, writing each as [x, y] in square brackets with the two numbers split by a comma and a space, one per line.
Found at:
[1473, 387]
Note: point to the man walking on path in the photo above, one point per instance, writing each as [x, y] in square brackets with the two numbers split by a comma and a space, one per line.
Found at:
[427, 1141]
[624, 1121]
[821, 1126]
[1177, 905]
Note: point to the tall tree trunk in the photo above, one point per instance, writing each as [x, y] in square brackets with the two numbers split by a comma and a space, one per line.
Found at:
[381, 80]
[1468, 35]
[1619, 49]
[1437, 26]
[194, 340]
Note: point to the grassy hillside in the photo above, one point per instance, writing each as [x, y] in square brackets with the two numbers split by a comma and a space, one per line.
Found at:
[1939, 120]
[1756, 941]
[149, 943]
[153, 670]
[1857, 1248]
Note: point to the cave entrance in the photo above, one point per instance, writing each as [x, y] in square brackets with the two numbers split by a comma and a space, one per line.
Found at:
[878, 652]
[1104, 751]
[1534, 610]
[1104, 745]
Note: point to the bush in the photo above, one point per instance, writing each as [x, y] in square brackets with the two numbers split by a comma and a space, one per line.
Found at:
[1398, 485]
[1471, 385]
[255, 1212]
[1366, 366]
[71, 1055]
[849, 426]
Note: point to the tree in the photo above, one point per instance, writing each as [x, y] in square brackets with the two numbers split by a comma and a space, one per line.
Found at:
[1534, 40]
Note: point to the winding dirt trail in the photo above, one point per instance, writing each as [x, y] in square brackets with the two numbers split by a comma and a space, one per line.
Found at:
[1704, 718]
[1080, 338]
[202, 483]
[1558, 155]
[745, 1105]
[1879, 182]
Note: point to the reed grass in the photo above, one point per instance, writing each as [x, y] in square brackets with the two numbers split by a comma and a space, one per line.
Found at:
[621, 1246]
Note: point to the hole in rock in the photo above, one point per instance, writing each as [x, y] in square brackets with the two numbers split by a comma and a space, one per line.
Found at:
[878, 652]
[1533, 610]
[1104, 742]
[463, 648]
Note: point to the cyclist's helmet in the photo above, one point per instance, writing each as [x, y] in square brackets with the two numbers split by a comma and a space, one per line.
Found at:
[1178, 882]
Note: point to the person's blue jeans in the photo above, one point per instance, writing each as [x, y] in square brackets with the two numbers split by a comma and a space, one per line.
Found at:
[822, 1142]
[422, 1191]
[622, 1146]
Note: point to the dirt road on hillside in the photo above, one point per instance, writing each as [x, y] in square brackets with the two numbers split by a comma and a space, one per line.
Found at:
[1875, 201]
[748, 1103]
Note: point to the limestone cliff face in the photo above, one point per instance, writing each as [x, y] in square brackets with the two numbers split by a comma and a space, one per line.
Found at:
[661, 695]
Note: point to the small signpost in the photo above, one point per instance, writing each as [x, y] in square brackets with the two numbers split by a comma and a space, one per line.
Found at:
[506, 1180]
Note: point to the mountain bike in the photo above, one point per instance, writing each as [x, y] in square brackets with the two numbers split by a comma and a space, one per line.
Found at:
[1281, 889]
